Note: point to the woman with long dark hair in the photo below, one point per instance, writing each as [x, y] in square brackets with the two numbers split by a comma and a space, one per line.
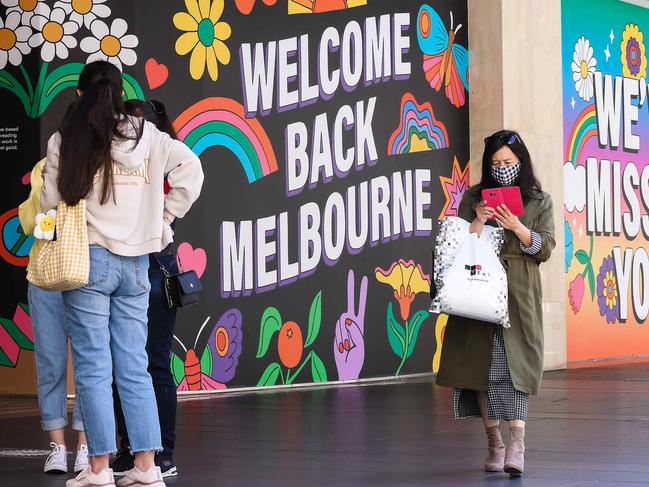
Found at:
[161, 324]
[494, 370]
[50, 329]
[117, 163]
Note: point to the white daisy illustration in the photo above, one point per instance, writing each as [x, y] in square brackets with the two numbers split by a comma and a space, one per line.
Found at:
[13, 40]
[53, 32]
[112, 45]
[83, 12]
[583, 68]
[26, 8]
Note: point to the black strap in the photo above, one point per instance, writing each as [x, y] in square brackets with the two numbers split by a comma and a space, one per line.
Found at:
[168, 251]
[160, 264]
[433, 286]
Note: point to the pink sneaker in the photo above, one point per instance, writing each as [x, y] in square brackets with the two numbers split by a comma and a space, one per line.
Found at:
[137, 478]
[88, 479]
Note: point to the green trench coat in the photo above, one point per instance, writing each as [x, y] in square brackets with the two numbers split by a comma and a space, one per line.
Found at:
[466, 350]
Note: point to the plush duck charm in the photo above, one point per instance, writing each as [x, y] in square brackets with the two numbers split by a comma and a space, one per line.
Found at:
[45, 224]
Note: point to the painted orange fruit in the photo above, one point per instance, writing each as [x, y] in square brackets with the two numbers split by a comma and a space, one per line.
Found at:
[289, 344]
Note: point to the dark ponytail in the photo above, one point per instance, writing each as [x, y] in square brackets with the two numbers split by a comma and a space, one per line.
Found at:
[87, 133]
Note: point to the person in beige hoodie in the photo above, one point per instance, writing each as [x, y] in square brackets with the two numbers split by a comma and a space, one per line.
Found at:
[117, 163]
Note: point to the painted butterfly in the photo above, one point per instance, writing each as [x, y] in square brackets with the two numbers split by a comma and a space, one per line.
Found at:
[218, 362]
[445, 63]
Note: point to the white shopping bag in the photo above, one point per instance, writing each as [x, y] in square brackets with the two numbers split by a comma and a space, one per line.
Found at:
[471, 281]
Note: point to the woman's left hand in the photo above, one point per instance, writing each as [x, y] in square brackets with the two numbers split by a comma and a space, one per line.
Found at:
[507, 219]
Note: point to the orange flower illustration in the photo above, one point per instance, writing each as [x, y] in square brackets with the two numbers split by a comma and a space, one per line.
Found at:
[407, 280]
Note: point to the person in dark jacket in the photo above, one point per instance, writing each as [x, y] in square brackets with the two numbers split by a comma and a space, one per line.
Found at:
[161, 325]
[494, 370]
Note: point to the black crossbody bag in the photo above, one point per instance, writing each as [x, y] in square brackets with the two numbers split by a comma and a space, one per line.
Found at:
[182, 289]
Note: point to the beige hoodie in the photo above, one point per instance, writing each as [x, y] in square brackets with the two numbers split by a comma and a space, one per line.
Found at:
[135, 222]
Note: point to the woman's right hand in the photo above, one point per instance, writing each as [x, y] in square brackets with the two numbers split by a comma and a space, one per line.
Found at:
[484, 212]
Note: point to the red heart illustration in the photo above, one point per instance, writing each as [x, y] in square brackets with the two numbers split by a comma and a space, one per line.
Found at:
[245, 6]
[156, 73]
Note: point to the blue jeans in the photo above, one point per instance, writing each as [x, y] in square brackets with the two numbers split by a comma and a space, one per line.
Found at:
[162, 321]
[51, 351]
[108, 330]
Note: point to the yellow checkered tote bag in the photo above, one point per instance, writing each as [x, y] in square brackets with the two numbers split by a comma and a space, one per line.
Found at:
[64, 263]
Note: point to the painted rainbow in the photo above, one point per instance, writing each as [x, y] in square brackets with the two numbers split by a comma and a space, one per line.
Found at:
[418, 129]
[221, 122]
[584, 129]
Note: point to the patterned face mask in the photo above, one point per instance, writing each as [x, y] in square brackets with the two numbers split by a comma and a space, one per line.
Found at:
[506, 176]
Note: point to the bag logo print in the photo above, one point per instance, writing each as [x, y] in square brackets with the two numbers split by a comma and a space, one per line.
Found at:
[474, 270]
[476, 273]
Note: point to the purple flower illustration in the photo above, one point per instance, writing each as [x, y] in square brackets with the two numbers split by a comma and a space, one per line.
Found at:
[633, 56]
[633, 52]
[607, 294]
[225, 342]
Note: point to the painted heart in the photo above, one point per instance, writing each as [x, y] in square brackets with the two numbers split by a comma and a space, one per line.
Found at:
[191, 259]
[245, 6]
[156, 73]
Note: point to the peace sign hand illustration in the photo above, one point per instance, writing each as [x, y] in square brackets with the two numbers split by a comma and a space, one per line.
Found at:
[349, 342]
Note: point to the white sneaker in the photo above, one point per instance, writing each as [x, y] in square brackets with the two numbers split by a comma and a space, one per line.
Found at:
[89, 479]
[81, 462]
[57, 461]
[137, 478]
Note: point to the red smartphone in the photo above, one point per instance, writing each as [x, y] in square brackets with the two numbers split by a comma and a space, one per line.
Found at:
[510, 196]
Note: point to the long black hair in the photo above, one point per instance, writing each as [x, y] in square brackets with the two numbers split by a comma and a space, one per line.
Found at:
[153, 111]
[527, 180]
[88, 130]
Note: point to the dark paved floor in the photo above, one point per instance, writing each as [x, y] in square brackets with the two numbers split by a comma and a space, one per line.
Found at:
[588, 427]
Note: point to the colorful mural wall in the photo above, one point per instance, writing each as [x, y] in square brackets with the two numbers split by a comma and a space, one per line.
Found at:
[333, 135]
[606, 171]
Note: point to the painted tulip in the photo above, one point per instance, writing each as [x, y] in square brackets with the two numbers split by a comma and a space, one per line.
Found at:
[576, 293]
[407, 280]
[290, 344]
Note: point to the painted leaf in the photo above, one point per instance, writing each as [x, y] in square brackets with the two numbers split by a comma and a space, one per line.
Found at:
[63, 77]
[591, 281]
[8, 82]
[206, 361]
[270, 375]
[396, 333]
[415, 325]
[271, 322]
[318, 370]
[315, 317]
[177, 368]
[582, 257]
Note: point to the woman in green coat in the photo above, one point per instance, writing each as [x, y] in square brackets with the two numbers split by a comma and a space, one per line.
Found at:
[494, 370]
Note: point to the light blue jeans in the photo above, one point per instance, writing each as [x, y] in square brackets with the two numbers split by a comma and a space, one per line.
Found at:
[108, 330]
[51, 350]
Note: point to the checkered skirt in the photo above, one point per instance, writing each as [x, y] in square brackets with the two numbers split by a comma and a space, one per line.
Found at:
[504, 401]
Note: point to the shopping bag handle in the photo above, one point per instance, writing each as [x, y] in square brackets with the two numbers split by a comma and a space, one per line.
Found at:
[433, 286]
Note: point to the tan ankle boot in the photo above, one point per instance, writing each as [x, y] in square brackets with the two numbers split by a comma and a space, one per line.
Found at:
[496, 457]
[515, 458]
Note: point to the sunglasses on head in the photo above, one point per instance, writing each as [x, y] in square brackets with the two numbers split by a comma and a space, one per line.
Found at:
[505, 139]
[155, 106]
